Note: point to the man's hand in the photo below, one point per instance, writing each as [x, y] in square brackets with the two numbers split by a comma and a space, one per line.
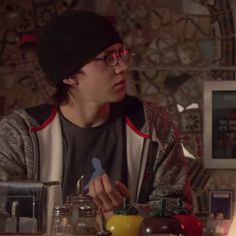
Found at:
[105, 195]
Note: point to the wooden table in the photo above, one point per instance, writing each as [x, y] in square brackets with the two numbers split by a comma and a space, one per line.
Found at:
[23, 234]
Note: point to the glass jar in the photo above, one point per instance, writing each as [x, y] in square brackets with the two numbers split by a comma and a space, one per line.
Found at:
[61, 224]
[83, 205]
[220, 229]
[86, 224]
[210, 225]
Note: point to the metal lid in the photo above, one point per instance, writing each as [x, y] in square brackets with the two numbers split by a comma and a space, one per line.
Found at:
[65, 209]
[82, 201]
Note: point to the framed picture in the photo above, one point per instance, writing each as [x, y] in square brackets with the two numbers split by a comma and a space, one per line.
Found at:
[220, 124]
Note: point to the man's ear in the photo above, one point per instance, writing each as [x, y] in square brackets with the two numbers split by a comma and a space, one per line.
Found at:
[72, 80]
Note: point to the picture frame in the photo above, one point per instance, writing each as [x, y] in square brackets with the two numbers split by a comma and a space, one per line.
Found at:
[219, 98]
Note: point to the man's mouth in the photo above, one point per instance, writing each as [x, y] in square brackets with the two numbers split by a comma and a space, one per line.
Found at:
[121, 84]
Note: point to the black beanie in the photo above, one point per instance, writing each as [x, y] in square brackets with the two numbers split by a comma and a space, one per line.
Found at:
[70, 40]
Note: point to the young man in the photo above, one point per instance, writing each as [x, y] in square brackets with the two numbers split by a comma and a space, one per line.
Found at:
[125, 148]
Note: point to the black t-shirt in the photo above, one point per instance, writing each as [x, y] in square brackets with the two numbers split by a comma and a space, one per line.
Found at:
[93, 151]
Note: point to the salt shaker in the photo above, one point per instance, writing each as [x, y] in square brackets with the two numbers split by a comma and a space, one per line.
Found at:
[61, 224]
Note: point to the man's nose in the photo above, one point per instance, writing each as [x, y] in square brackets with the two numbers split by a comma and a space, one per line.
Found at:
[122, 65]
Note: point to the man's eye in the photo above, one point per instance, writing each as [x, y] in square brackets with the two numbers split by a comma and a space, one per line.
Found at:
[110, 57]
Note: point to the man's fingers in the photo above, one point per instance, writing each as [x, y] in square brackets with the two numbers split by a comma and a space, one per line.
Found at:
[105, 194]
[112, 193]
[122, 189]
[93, 194]
[101, 193]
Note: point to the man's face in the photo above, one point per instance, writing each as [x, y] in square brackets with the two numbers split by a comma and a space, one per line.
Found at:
[101, 83]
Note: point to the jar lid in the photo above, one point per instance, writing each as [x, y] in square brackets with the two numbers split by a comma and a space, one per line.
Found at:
[83, 202]
[65, 209]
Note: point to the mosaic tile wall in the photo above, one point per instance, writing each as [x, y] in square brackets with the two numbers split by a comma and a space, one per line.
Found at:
[178, 44]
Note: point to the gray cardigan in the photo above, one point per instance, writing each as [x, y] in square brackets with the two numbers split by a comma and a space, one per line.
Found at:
[31, 148]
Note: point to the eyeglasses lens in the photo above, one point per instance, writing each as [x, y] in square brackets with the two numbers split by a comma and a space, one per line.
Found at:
[112, 59]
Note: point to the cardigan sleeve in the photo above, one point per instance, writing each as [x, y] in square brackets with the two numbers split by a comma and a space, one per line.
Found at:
[171, 175]
[15, 149]
[169, 165]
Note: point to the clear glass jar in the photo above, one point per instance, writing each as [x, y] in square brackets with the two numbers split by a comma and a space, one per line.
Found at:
[219, 230]
[86, 224]
[86, 210]
[61, 224]
[210, 225]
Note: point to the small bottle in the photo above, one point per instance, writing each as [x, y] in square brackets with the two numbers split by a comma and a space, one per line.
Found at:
[219, 230]
[86, 224]
[103, 230]
[29, 224]
[4, 215]
[211, 225]
[61, 224]
[12, 223]
[87, 212]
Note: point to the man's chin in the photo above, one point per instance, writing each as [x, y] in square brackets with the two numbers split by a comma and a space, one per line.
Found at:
[118, 98]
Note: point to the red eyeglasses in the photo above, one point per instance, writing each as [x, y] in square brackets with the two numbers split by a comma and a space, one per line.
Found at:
[111, 59]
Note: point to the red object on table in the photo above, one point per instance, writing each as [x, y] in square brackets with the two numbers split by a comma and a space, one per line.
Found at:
[192, 225]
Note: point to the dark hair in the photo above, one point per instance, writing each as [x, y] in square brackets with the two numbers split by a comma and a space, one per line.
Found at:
[61, 95]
